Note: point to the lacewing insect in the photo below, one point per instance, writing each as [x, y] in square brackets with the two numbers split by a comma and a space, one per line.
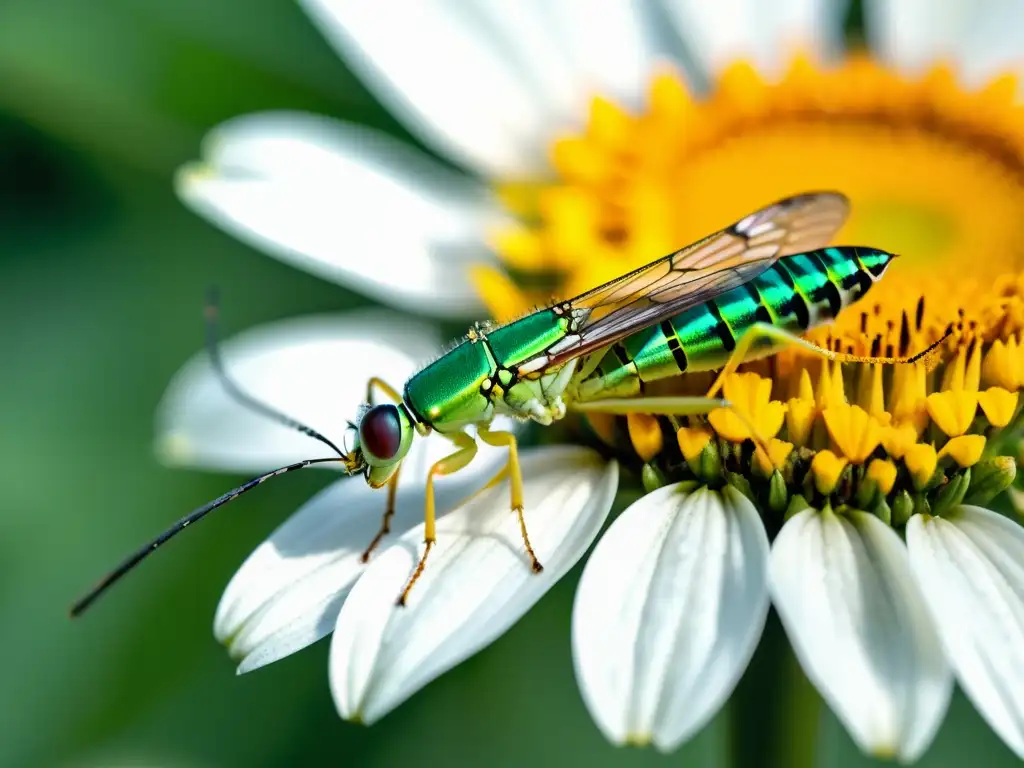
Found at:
[738, 294]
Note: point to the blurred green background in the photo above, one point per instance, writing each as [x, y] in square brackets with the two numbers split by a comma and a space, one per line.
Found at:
[102, 277]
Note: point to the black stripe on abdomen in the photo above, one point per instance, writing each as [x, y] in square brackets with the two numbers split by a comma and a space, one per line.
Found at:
[761, 314]
[828, 291]
[795, 304]
[721, 327]
[672, 339]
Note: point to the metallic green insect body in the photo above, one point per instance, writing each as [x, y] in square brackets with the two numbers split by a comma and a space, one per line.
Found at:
[798, 293]
[733, 296]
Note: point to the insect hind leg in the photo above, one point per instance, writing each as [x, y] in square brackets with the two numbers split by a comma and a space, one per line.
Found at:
[766, 332]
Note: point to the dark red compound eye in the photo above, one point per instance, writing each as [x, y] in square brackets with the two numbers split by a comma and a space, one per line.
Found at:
[380, 432]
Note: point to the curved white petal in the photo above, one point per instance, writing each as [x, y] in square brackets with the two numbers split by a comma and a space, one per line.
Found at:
[445, 71]
[859, 626]
[347, 204]
[667, 615]
[766, 34]
[314, 369]
[477, 582]
[970, 565]
[288, 592]
[981, 38]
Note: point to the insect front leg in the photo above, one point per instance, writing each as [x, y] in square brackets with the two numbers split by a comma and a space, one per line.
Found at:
[389, 507]
[452, 463]
[383, 386]
[515, 482]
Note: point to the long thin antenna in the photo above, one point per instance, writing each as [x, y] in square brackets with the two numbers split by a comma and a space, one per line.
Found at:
[144, 552]
[212, 313]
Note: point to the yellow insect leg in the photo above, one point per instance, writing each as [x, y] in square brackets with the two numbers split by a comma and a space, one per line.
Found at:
[389, 508]
[446, 466]
[384, 387]
[762, 331]
[515, 481]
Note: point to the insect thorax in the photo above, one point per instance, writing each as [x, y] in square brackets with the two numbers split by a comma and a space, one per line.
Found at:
[484, 374]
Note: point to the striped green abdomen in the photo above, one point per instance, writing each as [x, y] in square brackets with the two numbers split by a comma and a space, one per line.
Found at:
[796, 294]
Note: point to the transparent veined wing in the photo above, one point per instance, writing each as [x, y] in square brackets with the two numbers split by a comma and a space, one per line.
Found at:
[698, 272]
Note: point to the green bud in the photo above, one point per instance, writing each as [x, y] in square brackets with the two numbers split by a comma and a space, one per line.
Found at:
[651, 477]
[778, 493]
[902, 508]
[952, 493]
[867, 490]
[882, 512]
[921, 505]
[741, 484]
[989, 478]
[707, 465]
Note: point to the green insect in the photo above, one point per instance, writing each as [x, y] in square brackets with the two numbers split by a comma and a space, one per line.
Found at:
[733, 296]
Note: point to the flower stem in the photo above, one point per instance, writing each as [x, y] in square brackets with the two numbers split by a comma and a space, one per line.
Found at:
[774, 712]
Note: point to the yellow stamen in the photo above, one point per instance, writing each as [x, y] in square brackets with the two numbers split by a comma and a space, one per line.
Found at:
[827, 469]
[965, 450]
[692, 440]
[778, 452]
[855, 432]
[921, 460]
[751, 395]
[998, 405]
[898, 440]
[883, 473]
[952, 410]
[645, 434]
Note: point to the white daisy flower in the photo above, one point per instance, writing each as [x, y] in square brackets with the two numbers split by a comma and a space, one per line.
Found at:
[569, 118]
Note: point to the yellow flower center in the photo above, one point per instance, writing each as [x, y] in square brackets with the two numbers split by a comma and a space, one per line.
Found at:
[934, 173]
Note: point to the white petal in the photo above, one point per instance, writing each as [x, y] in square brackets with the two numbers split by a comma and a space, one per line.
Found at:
[667, 615]
[288, 592]
[314, 369]
[572, 53]
[970, 565]
[446, 73]
[476, 585]
[981, 38]
[347, 204]
[843, 589]
[767, 34]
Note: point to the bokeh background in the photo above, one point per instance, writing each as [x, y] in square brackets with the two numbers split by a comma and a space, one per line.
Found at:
[102, 277]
